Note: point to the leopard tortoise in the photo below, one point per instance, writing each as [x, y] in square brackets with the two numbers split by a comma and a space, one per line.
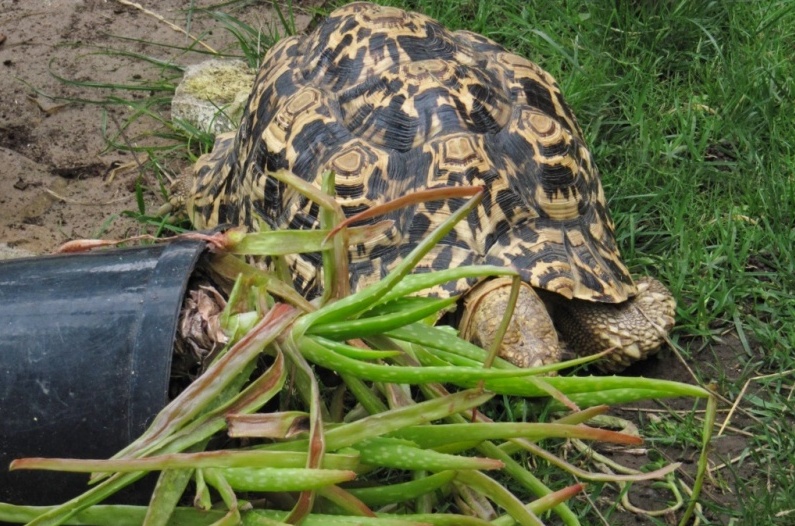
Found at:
[393, 103]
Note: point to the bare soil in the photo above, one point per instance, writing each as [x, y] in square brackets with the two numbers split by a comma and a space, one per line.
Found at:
[714, 360]
[54, 156]
[55, 159]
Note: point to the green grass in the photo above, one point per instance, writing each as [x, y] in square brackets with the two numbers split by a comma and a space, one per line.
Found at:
[688, 108]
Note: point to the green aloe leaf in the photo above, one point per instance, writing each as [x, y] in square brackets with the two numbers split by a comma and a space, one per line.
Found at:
[205, 390]
[393, 493]
[346, 435]
[368, 326]
[500, 495]
[210, 459]
[441, 338]
[357, 303]
[356, 353]
[440, 434]
[111, 515]
[283, 242]
[544, 504]
[319, 519]
[588, 391]
[167, 493]
[401, 454]
[413, 283]
[283, 479]
[320, 355]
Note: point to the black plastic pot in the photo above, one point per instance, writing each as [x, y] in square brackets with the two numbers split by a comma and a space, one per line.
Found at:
[85, 354]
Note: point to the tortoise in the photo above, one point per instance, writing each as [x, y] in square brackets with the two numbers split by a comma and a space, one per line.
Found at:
[393, 103]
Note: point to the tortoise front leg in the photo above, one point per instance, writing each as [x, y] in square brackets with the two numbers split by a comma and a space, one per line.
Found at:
[531, 339]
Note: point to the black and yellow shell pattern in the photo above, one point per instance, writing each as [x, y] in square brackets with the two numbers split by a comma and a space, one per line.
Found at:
[394, 103]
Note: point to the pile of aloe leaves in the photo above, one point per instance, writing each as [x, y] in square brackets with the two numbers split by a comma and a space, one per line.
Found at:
[403, 438]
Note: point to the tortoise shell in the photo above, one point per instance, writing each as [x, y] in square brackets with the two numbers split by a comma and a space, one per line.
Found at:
[393, 103]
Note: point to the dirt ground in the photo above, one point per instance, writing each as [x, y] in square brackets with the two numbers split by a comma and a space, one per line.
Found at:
[54, 158]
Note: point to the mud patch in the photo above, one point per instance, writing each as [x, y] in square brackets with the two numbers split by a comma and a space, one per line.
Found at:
[82, 172]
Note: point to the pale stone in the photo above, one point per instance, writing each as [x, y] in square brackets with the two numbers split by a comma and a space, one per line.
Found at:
[212, 95]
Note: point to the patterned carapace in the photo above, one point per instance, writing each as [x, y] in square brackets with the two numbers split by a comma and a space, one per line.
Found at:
[392, 102]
